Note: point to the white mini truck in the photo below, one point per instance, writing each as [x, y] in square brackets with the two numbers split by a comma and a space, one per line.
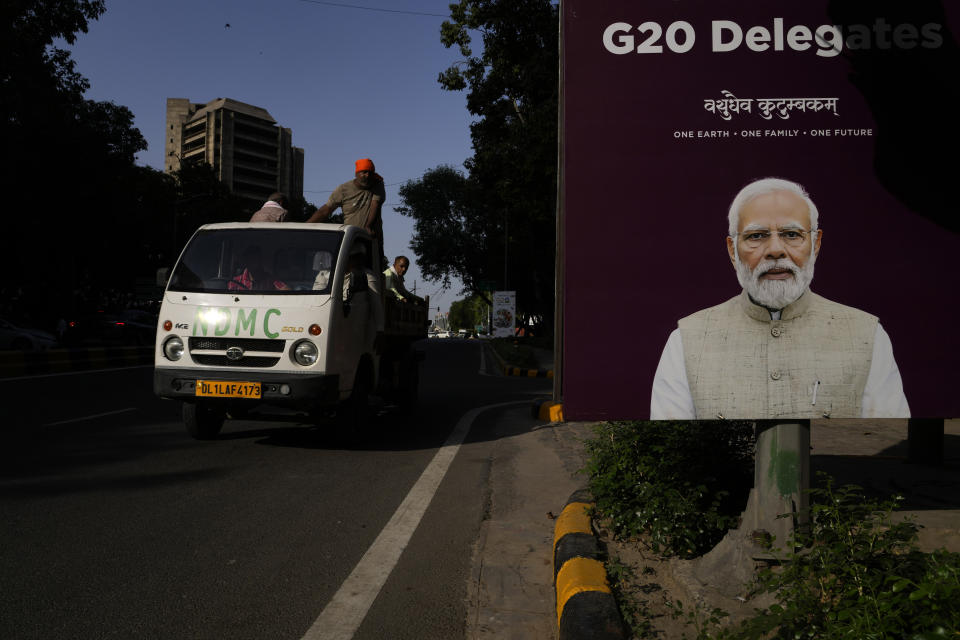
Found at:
[284, 314]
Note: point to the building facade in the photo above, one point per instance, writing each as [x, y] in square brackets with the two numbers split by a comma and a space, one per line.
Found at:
[250, 153]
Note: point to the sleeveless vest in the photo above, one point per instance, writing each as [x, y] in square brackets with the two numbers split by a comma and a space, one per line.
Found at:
[812, 363]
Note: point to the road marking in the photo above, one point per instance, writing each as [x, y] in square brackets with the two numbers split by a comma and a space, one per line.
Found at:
[342, 616]
[75, 373]
[93, 417]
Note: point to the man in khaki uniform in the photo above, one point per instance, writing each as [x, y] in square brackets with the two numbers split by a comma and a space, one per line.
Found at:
[361, 200]
[777, 350]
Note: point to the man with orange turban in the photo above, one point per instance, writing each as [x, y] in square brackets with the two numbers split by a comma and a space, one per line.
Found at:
[361, 200]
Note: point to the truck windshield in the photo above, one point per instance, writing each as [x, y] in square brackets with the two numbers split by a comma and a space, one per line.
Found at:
[261, 261]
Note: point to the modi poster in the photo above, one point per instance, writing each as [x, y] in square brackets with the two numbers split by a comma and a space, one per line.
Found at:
[670, 107]
[504, 313]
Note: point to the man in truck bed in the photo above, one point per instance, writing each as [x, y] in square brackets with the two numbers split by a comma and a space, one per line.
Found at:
[393, 278]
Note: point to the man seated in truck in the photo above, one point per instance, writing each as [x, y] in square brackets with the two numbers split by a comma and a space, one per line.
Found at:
[393, 278]
[255, 276]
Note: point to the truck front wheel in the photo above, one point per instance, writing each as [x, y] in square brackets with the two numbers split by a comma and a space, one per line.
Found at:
[203, 421]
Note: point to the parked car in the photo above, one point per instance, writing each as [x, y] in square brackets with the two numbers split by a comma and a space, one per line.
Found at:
[24, 339]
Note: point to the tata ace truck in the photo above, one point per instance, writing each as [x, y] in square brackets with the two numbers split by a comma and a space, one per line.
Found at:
[288, 315]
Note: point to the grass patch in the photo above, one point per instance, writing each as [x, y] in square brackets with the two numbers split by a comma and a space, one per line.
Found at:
[518, 352]
[681, 485]
[857, 572]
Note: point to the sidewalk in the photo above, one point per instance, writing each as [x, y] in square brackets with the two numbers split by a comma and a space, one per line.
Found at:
[511, 587]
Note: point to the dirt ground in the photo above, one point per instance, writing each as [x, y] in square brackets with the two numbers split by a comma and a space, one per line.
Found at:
[872, 455]
[650, 590]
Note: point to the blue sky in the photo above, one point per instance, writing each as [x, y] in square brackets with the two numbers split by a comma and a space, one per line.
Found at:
[349, 82]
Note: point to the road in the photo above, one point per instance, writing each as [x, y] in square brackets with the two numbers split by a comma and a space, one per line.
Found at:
[115, 524]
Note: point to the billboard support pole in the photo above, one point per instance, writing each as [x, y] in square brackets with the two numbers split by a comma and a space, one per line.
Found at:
[559, 242]
[781, 483]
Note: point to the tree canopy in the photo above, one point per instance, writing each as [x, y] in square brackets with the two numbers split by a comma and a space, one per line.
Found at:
[497, 222]
[76, 201]
[83, 219]
[468, 314]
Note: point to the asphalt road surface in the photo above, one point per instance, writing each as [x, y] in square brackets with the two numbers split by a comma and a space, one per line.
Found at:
[115, 524]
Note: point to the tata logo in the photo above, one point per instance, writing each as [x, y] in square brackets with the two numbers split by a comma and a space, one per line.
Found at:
[234, 353]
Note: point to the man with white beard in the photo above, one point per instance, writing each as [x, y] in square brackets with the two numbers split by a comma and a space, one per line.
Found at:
[778, 350]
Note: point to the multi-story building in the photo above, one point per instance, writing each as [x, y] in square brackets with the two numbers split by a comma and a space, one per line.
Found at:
[251, 154]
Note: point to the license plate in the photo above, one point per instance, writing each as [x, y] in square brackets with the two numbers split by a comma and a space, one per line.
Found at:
[224, 389]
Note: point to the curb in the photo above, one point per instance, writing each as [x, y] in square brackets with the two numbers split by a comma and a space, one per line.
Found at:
[507, 370]
[548, 411]
[22, 363]
[586, 608]
[528, 373]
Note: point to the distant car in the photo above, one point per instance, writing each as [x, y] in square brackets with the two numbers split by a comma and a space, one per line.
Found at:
[24, 339]
[443, 334]
[130, 327]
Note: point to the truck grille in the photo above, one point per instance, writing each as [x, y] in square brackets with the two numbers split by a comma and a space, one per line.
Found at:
[213, 352]
[247, 344]
[246, 361]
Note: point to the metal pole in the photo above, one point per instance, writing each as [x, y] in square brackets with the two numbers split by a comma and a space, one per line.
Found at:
[558, 277]
[506, 249]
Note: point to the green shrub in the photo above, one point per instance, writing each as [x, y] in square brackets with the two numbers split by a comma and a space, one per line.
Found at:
[515, 353]
[684, 484]
[856, 573]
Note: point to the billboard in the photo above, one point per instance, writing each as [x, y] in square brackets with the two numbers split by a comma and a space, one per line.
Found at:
[504, 313]
[670, 107]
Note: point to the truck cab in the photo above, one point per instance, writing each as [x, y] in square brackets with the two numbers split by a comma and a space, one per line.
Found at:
[283, 314]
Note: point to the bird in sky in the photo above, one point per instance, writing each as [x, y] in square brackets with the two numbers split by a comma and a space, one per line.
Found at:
[226, 26]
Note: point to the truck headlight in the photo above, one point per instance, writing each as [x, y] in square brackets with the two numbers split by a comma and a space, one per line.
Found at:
[305, 353]
[173, 348]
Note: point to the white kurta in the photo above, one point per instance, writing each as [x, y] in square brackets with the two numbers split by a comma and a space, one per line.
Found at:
[883, 395]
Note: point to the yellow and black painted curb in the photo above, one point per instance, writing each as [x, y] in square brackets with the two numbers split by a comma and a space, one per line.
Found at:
[527, 373]
[507, 370]
[548, 410]
[586, 607]
[20, 363]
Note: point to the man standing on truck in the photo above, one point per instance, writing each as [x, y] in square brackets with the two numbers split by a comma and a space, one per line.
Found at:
[361, 200]
[777, 349]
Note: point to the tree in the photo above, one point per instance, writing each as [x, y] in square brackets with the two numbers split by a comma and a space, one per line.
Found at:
[450, 228]
[468, 313]
[503, 227]
[68, 163]
[201, 198]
